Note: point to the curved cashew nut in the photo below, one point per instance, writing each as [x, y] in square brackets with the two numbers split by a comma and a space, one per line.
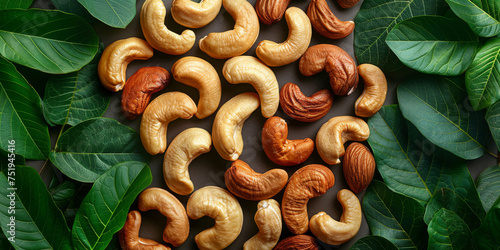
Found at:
[238, 40]
[299, 37]
[195, 15]
[374, 93]
[129, 235]
[200, 74]
[326, 23]
[185, 147]
[248, 69]
[162, 110]
[335, 132]
[113, 64]
[268, 220]
[220, 205]
[228, 123]
[177, 228]
[335, 232]
[157, 34]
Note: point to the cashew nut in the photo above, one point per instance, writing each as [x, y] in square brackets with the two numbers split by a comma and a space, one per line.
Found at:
[248, 69]
[335, 232]
[268, 220]
[113, 64]
[129, 235]
[162, 110]
[326, 23]
[195, 15]
[299, 37]
[185, 147]
[335, 132]
[157, 34]
[200, 74]
[220, 205]
[374, 93]
[238, 40]
[228, 123]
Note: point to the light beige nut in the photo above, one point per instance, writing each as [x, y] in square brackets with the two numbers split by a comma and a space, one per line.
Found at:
[335, 132]
[158, 35]
[297, 42]
[244, 182]
[373, 97]
[268, 220]
[303, 108]
[281, 150]
[183, 149]
[271, 11]
[112, 68]
[220, 205]
[248, 69]
[339, 65]
[326, 23]
[335, 232]
[228, 123]
[306, 183]
[129, 235]
[358, 166]
[347, 3]
[191, 14]
[298, 242]
[161, 111]
[177, 228]
[237, 41]
[200, 74]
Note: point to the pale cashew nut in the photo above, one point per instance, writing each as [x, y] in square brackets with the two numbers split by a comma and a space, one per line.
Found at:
[129, 235]
[157, 34]
[113, 64]
[200, 74]
[268, 220]
[238, 40]
[299, 37]
[335, 232]
[185, 147]
[228, 123]
[335, 132]
[248, 69]
[195, 15]
[162, 110]
[374, 93]
[220, 205]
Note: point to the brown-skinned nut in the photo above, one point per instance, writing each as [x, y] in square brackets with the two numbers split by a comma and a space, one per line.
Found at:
[326, 23]
[279, 149]
[298, 242]
[303, 108]
[373, 97]
[245, 183]
[347, 3]
[358, 166]
[271, 11]
[139, 88]
[339, 65]
[308, 182]
[129, 235]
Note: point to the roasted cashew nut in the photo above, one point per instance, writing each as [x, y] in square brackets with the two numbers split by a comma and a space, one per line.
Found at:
[268, 220]
[335, 232]
[326, 23]
[248, 69]
[373, 97]
[129, 235]
[299, 37]
[157, 34]
[220, 205]
[191, 14]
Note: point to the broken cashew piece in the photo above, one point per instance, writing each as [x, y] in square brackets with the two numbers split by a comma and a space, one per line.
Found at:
[195, 15]
[373, 97]
[129, 235]
[268, 220]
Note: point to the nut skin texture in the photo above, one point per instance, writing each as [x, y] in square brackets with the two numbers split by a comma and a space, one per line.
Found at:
[183, 149]
[220, 205]
[335, 132]
[303, 108]
[162, 110]
[200, 74]
[326, 23]
[195, 15]
[359, 167]
[306, 183]
[245, 183]
[335, 232]
[129, 235]
[268, 220]
[231, 43]
[339, 65]
[298, 242]
[296, 44]
[271, 11]
[113, 64]
[347, 3]
[279, 149]
[373, 97]
[177, 228]
[157, 34]
[139, 88]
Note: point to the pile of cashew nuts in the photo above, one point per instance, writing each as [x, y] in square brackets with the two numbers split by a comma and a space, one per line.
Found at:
[226, 136]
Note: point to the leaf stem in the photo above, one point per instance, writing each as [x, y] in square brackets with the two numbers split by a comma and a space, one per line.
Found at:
[59, 136]
[43, 167]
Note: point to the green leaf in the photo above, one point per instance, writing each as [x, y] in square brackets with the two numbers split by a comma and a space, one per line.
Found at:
[15, 4]
[4, 242]
[482, 15]
[38, 222]
[21, 117]
[448, 231]
[104, 209]
[62, 194]
[488, 235]
[47, 40]
[14, 159]
[434, 44]
[374, 21]
[115, 13]
[70, 210]
[394, 216]
[73, 7]
[440, 109]
[493, 119]
[488, 186]
[373, 242]
[87, 150]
